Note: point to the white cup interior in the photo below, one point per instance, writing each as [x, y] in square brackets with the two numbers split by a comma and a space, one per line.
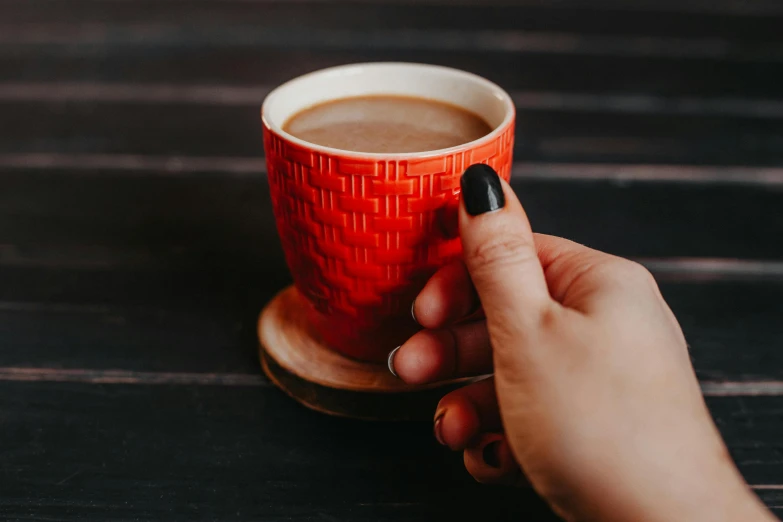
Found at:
[460, 88]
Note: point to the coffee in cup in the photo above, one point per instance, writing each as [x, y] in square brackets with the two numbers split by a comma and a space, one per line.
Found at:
[387, 124]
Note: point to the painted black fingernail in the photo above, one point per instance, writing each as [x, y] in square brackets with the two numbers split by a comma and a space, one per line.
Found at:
[481, 190]
[413, 312]
[491, 454]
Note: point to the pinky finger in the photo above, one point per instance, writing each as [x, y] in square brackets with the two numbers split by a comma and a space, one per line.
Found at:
[490, 461]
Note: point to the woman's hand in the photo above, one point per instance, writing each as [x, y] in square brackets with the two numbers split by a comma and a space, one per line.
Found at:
[593, 401]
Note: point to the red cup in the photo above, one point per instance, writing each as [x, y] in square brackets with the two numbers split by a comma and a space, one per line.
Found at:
[362, 232]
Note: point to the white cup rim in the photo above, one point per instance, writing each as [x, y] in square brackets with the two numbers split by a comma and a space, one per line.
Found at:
[358, 68]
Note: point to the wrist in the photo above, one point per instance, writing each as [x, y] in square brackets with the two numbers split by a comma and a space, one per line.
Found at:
[715, 492]
[693, 488]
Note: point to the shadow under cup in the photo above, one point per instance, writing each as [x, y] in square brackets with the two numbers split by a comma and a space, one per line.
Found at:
[363, 232]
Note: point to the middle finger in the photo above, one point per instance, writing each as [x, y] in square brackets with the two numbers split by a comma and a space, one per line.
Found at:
[461, 350]
[448, 297]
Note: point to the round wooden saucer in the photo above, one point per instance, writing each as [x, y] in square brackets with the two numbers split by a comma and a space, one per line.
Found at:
[295, 360]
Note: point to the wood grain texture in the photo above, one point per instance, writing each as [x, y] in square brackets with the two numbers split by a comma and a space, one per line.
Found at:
[166, 274]
[530, 71]
[702, 7]
[123, 220]
[92, 452]
[585, 18]
[731, 328]
[339, 28]
[63, 92]
[221, 453]
[773, 498]
[129, 383]
[142, 322]
[142, 338]
[541, 135]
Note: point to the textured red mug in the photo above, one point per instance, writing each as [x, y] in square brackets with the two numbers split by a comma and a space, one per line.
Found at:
[362, 232]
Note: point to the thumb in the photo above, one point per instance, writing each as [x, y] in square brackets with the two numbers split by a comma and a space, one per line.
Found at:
[499, 250]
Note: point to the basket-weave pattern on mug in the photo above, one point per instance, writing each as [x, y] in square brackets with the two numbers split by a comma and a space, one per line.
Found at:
[359, 233]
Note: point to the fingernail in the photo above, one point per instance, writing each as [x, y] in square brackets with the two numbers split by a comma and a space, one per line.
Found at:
[491, 454]
[481, 190]
[437, 428]
[413, 311]
[390, 361]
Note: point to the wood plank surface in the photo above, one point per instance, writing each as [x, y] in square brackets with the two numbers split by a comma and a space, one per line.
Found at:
[466, 17]
[137, 243]
[223, 453]
[256, 65]
[144, 338]
[92, 452]
[82, 218]
[731, 326]
[167, 273]
[541, 135]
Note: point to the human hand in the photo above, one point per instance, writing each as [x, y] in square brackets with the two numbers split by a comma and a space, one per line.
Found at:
[593, 401]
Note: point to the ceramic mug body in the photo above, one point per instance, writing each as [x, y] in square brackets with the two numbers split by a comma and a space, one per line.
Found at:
[363, 232]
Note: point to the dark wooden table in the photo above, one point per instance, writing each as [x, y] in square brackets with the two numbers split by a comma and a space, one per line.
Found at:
[137, 244]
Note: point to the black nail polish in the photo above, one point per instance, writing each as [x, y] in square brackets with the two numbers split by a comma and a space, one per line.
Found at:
[491, 454]
[481, 190]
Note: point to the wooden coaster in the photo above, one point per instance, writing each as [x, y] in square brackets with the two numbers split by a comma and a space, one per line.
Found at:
[295, 360]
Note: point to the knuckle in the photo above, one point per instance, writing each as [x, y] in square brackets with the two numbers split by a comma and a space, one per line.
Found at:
[502, 250]
[635, 273]
[625, 272]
